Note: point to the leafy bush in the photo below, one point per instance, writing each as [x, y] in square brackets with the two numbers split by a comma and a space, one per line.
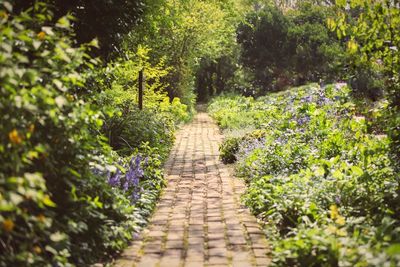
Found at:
[323, 182]
[175, 110]
[54, 209]
[230, 146]
[228, 112]
[125, 125]
[372, 32]
[140, 177]
[58, 203]
[129, 129]
[228, 149]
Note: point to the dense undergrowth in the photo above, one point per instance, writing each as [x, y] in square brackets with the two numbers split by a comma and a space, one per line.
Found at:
[319, 175]
[81, 165]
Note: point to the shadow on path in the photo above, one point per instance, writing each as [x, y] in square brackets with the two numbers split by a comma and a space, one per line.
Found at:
[199, 220]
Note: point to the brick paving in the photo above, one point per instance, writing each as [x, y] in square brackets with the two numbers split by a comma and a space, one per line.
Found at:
[199, 220]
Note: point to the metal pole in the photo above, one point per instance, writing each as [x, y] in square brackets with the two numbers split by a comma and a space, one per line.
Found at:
[141, 88]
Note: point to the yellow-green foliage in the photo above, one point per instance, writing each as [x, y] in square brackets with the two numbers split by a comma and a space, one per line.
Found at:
[175, 108]
[323, 182]
[124, 74]
[184, 32]
[55, 210]
[125, 125]
[122, 79]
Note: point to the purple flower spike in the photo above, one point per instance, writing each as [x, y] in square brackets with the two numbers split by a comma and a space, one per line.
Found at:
[338, 200]
[115, 179]
[131, 181]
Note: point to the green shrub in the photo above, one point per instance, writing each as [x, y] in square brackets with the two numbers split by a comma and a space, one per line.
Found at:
[132, 127]
[230, 146]
[58, 205]
[54, 209]
[175, 110]
[127, 127]
[320, 178]
[228, 149]
[234, 112]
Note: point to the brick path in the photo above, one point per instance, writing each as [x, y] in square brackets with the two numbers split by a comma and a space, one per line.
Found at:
[199, 220]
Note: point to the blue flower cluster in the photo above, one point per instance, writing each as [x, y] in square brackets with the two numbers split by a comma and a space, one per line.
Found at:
[115, 179]
[131, 180]
[248, 146]
[303, 120]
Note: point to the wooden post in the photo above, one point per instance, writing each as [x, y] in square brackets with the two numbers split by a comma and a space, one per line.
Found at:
[141, 88]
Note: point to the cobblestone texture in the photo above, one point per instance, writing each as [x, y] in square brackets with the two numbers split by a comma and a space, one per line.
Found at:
[199, 220]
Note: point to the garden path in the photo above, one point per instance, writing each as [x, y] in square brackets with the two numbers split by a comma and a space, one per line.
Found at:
[199, 220]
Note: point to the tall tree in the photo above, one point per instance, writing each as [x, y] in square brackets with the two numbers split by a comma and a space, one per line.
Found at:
[184, 32]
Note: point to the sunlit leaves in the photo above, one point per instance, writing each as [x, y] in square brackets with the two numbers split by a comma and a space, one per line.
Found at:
[331, 23]
[335, 195]
[374, 30]
[373, 34]
[394, 250]
[341, 3]
[47, 129]
[63, 22]
[183, 32]
[352, 46]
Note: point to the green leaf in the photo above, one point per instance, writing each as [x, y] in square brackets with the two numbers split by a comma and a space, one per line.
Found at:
[341, 3]
[75, 173]
[331, 24]
[393, 250]
[57, 237]
[63, 22]
[337, 174]
[99, 122]
[48, 202]
[352, 46]
[51, 250]
[357, 170]
[60, 86]
[30, 76]
[6, 206]
[94, 43]
[356, 3]
[97, 203]
[320, 171]
[8, 6]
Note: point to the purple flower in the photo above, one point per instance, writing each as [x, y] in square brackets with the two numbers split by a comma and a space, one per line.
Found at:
[307, 99]
[133, 176]
[131, 181]
[115, 179]
[303, 120]
[340, 85]
[135, 196]
[249, 146]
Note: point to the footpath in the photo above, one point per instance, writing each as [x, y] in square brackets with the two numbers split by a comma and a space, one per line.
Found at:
[199, 220]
